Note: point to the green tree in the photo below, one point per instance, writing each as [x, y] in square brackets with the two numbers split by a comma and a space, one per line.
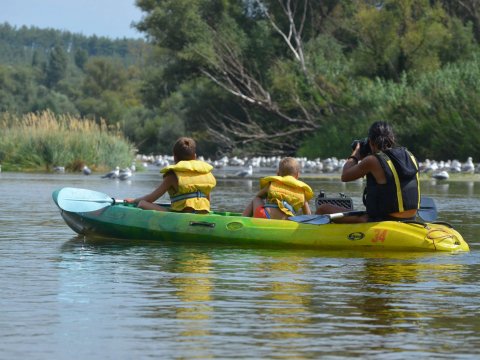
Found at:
[17, 89]
[467, 10]
[81, 57]
[56, 68]
[103, 74]
[397, 36]
[37, 59]
[234, 51]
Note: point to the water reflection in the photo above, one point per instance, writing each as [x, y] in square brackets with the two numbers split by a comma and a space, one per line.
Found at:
[194, 287]
[398, 295]
[81, 298]
[470, 188]
[287, 300]
[294, 304]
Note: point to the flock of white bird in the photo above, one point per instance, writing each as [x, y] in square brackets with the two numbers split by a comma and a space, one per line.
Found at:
[249, 163]
[436, 169]
[439, 170]
[117, 173]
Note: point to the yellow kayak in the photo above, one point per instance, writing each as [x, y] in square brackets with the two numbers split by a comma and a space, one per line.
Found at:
[96, 214]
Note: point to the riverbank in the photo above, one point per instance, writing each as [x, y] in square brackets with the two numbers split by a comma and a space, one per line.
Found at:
[45, 141]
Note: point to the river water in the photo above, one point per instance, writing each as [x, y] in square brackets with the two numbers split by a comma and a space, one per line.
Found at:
[67, 297]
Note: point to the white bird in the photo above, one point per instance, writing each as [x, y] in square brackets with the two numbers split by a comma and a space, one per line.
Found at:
[468, 167]
[86, 170]
[125, 174]
[455, 166]
[112, 174]
[441, 175]
[245, 172]
[235, 161]
[218, 164]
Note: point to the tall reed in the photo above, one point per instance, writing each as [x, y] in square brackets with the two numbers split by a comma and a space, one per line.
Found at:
[43, 140]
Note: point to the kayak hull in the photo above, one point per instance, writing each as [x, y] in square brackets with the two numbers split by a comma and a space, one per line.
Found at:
[127, 222]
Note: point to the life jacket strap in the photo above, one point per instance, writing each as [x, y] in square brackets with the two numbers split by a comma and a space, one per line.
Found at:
[196, 194]
[286, 204]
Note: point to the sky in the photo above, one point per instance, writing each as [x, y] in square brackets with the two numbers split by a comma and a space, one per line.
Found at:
[110, 18]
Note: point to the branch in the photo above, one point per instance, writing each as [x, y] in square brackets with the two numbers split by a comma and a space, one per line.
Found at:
[296, 46]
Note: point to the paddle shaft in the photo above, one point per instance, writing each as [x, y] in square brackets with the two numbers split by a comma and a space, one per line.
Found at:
[343, 214]
[427, 213]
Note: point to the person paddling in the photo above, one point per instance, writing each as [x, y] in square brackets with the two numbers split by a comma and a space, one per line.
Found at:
[188, 182]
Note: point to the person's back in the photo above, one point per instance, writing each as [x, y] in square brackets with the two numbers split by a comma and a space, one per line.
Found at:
[399, 196]
[284, 194]
[393, 187]
[188, 182]
[194, 182]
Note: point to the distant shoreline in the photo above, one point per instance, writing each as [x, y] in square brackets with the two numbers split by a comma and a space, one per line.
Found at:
[454, 177]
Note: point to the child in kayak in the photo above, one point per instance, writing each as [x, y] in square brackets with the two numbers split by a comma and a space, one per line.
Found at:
[282, 195]
[188, 182]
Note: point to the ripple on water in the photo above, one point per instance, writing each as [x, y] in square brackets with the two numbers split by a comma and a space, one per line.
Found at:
[68, 297]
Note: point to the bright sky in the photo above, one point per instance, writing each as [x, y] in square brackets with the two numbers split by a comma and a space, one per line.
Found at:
[111, 18]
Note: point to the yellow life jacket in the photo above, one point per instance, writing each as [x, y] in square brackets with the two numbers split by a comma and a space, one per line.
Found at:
[286, 192]
[195, 181]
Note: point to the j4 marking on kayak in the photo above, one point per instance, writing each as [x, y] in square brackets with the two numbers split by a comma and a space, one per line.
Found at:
[380, 235]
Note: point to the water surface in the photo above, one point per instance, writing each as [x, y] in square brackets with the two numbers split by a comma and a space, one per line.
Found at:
[67, 297]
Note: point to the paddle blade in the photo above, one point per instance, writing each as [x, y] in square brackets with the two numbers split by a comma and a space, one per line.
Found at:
[428, 209]
[81, 200]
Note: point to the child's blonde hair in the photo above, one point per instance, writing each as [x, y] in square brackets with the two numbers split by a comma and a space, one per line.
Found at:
[288, 166]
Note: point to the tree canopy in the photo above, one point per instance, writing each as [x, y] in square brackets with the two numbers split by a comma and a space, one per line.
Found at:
[270, 75]
[265, 77]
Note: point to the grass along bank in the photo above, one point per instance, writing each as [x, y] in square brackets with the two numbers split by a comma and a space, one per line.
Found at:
[41, 141]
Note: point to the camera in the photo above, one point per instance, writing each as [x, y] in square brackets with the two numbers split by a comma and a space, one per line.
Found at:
[364, 147]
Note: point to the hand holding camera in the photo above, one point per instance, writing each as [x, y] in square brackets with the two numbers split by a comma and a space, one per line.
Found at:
[364, 149]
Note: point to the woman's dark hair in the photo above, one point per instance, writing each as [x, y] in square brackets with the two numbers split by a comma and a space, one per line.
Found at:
[381, 135]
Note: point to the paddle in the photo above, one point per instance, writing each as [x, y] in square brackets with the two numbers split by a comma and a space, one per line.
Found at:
[83, 200]
[428, 209]
[323, 219]
[427, 213]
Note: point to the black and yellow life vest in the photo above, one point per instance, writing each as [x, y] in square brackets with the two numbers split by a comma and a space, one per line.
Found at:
[402, 189]
[286, 192]
[195, 182]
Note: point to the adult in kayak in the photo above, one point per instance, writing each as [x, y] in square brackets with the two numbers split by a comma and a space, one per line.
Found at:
[188, 182]
[393, 187]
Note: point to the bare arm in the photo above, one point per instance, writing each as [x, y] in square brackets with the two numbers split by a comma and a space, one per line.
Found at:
[357, 167]
[263, 192]
[306, 208]
[169, 181]
[353, 170]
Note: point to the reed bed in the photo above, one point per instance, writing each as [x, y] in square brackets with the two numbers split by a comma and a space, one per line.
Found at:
[38, 141]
